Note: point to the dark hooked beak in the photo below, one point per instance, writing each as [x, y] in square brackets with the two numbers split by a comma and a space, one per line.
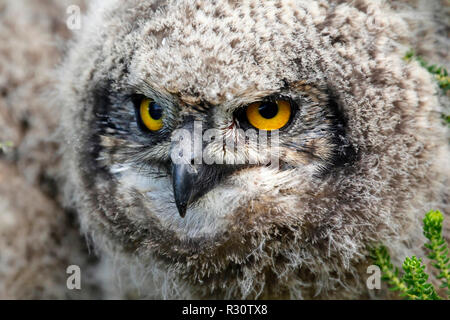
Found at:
[191, 180]
[184, 178]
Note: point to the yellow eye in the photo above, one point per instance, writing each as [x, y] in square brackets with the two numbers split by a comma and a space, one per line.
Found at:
[269, 115]
[151, 114]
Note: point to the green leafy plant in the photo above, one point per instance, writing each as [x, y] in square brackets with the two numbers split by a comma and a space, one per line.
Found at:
[416, 280]
[432, 229]
[4, 146]
[446, 118]
[439, 73]
[413, 284]
[390, 273]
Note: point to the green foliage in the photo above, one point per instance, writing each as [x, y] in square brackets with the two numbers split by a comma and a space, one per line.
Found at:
[413, 284]
[440, 73]
[446, 118]
[390, 273]
[438, 250]
[4, 146]
[415, 279]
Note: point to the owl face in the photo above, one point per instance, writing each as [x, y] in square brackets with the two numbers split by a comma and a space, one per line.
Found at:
[163, 102]
[238, 97]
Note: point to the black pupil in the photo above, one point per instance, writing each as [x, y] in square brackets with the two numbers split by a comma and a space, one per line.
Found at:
[155, 111]
[268, 110]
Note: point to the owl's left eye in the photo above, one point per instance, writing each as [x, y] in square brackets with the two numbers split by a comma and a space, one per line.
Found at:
[269, 115]
[151, 115]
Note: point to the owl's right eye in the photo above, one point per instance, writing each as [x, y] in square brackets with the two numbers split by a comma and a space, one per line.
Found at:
[151, 115]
